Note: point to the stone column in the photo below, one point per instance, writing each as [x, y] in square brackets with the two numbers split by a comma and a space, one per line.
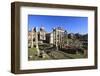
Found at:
[56, 39]
[32, 37]
[36, 41]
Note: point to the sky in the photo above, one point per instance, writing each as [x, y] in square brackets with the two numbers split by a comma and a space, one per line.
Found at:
[72, 24]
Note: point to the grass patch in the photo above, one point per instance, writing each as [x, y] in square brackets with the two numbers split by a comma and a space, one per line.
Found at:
[32, 55]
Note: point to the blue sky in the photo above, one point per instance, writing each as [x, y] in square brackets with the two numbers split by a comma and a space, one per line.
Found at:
[70, 23]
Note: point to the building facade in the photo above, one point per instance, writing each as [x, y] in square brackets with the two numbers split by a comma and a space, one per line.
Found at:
[49, 38]
[58, 35]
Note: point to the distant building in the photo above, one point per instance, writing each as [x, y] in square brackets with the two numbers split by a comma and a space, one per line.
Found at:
[34, 35]
[49, 38]
[71, 36]
[42, 35]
